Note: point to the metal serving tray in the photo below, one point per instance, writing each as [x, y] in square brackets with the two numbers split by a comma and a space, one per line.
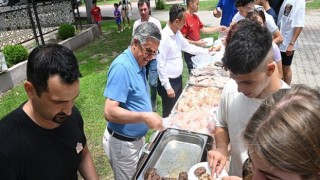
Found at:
[175, 151]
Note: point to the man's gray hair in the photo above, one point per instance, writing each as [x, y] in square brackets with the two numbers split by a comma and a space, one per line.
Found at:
[146, 30]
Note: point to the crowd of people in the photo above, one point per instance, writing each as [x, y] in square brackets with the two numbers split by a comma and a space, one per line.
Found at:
[264, 127]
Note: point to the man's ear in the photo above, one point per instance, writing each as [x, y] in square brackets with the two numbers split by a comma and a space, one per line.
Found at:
[135, 40]
[271, 68]
[177, 21]
[30, 90]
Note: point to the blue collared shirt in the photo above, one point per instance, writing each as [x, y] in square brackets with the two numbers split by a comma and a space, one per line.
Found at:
[127, 84]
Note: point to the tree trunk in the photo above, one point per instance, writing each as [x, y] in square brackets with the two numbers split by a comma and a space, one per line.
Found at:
[88, 10]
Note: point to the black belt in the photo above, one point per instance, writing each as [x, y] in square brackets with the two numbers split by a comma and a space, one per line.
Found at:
[121, 137]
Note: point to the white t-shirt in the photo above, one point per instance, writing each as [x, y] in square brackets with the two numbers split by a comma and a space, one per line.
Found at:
[151, 19]
[234, 113]
[291, 15]
[270, 24]
[276, 53]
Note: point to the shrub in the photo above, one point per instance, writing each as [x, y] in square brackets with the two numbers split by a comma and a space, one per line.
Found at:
[15, 54]
[65, 31]
[160, 5]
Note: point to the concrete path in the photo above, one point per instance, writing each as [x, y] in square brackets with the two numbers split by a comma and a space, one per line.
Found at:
[306, 61]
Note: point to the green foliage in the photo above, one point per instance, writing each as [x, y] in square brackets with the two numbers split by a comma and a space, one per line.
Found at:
[15, 54]
[203, 5]
[313, 4]
[65, 31]
[110, 2]
[160, 4]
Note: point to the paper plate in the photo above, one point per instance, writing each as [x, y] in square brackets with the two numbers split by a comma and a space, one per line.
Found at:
[192, 176]
[208, 41]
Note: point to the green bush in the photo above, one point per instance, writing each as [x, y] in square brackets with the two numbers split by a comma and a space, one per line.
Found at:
[15, 54]
[160, 5]
[65, 31]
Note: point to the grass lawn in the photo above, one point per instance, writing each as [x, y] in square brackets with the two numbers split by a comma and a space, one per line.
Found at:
[313, 4]
[107, 2]
[203, 5]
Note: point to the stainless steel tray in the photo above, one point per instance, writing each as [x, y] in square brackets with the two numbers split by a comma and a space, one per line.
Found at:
[175, 151]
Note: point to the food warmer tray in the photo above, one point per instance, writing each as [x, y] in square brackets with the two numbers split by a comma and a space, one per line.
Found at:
[175, 151]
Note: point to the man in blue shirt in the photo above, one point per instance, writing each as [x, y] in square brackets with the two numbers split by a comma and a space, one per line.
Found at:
[225, 9]
[128, 107]
[276, 4]
[268, 8]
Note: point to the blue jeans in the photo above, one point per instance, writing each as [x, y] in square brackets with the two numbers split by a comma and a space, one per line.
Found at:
[152, 76]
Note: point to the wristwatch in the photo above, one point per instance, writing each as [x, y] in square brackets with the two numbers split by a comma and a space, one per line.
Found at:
[291, 43]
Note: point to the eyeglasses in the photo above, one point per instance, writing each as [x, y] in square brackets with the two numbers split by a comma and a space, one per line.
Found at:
[148, 52]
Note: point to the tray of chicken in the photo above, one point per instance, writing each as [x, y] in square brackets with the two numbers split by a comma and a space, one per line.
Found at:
[211, 75]
[195, 98]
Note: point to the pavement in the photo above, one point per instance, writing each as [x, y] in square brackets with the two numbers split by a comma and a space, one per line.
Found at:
[306, 60]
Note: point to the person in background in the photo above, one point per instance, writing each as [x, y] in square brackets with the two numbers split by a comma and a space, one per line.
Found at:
[170, 63]
[96, 15]
[117, 15]
[259, 17]
[283, 135]
[44, 137]
[245, 6]
[125, 12]
[225, 9]
[291, 20]
[249, 58]
[128, 107]
[151, 67]
[265, 4]
[276, 4]
[192, 28]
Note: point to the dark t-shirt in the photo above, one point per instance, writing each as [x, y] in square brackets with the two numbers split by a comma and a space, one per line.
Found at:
[30, 152]
[273, 14]
[276, 4]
